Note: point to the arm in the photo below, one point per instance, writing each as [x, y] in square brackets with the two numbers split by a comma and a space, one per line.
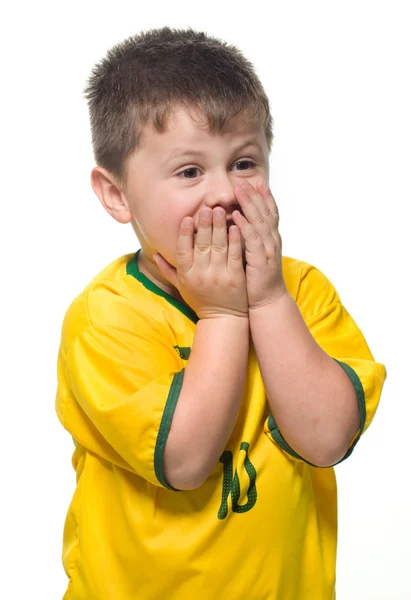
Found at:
[311, 397]
[209, 400]
[322, 382]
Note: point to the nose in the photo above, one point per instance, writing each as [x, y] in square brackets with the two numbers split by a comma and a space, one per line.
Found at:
[220, 192]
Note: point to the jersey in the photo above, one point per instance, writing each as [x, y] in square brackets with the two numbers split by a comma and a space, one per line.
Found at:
[263, 526]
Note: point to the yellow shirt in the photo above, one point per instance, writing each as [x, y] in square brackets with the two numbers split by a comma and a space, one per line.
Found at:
[264, 524]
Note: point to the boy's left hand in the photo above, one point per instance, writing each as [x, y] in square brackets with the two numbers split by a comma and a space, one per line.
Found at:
[259, 228]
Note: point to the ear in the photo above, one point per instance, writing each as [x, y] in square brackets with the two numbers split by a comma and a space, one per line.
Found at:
[110, 195]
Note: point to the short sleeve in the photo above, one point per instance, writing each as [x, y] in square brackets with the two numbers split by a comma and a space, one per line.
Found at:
[338, 335]
[123, 387]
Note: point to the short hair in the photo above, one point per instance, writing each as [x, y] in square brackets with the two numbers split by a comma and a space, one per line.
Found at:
[147, 75]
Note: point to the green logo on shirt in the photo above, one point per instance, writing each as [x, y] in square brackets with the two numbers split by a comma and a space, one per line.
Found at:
[231, 485]
[183, 352]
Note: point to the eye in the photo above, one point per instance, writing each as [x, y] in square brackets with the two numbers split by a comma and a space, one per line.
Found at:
[190, 170]
[242, 162]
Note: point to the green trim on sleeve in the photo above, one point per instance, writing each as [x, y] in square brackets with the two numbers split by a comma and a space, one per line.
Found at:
[277, 437]
[132, 269]
[359, 390]
[164, 428]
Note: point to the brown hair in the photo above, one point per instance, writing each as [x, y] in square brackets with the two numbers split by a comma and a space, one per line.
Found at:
[147, 75]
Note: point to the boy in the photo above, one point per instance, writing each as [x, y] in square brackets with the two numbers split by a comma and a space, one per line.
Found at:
[208, 382]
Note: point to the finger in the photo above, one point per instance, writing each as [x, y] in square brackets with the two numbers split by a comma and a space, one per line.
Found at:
[167, 270]
[219, 238]
[248, 231]
[265, 192]
[258, 215]
[254, 207]
[184, 251]
[235, 250]
[202, 242]
[254, 246]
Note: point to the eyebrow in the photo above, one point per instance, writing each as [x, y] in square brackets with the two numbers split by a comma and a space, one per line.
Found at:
[182, 152]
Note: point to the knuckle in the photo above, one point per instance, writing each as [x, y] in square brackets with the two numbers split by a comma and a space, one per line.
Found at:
[233, 284]
[182, 252]
[198, 281]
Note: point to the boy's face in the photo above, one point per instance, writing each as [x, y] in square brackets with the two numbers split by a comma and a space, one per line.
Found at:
[179, 171]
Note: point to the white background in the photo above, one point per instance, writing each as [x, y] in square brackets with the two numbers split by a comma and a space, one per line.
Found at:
[338, 78]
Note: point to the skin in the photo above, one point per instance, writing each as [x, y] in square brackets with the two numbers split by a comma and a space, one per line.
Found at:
[312, 398]
[158, 194]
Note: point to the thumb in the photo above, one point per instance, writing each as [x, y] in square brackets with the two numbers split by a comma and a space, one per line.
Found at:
[167, 270]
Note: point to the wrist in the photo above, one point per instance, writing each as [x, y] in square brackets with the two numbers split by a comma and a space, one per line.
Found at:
[234, 317]
[281, 299]
[225, 322]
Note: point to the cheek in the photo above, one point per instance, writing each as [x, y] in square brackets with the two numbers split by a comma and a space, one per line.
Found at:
[169, 221]
[176, 206]
[164, 210]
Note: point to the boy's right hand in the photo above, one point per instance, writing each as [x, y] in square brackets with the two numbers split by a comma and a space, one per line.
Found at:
[210, 276]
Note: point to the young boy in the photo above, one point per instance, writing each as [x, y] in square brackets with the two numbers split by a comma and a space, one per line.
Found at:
[209, 383]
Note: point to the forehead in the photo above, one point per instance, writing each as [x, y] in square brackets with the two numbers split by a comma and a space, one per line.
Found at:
[185, 126]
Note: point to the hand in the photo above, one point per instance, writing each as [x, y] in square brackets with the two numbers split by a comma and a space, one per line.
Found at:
[210, 276]
[259, 228]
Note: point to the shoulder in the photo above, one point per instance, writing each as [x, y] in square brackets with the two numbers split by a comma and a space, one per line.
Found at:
[309, 286]
[111, 300]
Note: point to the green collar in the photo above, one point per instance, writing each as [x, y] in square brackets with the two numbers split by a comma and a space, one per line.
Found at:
[132, 269]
